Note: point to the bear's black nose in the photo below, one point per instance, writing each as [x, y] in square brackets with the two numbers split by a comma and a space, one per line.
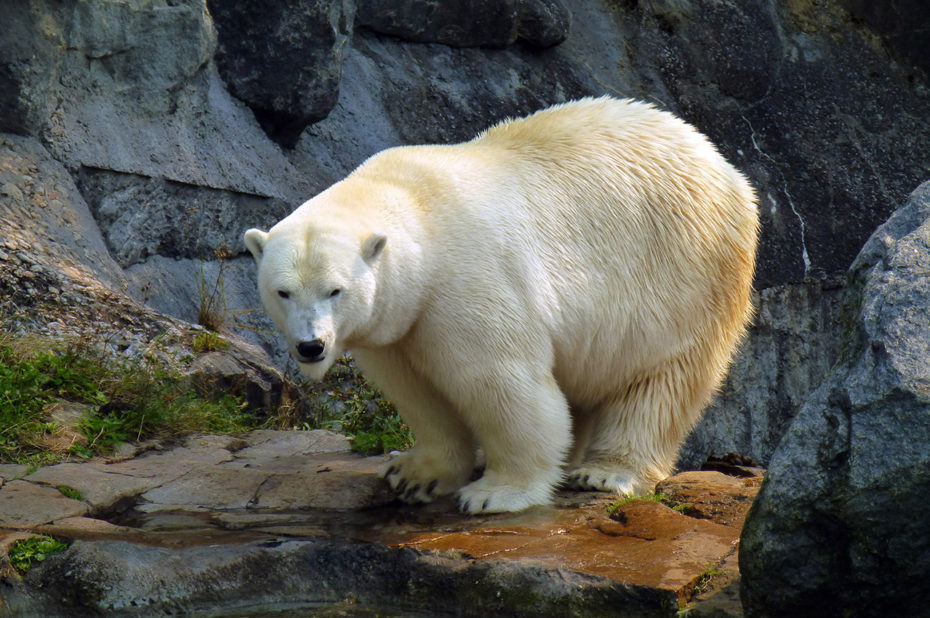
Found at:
[311, 350]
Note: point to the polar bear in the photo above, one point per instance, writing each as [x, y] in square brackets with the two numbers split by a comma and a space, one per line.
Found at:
[564, 292]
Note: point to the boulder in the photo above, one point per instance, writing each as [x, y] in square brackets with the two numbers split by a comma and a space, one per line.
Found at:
[840, 526]
[543, 23]
[476, 23]
[283, 59]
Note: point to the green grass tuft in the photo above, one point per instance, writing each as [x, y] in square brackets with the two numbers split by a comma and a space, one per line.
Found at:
[127, 401]
[352, 406]
[705, 578]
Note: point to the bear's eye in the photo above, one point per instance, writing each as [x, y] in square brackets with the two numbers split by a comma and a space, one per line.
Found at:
[284, 294]
[335, 293]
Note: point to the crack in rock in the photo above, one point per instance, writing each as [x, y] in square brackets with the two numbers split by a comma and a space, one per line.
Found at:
[805, 256]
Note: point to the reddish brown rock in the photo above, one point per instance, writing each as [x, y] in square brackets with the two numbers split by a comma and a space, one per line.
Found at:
[643, 543]
[711, 495]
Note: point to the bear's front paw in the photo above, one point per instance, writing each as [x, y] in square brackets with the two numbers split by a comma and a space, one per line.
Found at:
[490, 495]
[419, 478]
[603, 478]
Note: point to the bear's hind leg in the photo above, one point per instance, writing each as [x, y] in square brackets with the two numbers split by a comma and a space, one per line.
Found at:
[443, 457]
[636, 436]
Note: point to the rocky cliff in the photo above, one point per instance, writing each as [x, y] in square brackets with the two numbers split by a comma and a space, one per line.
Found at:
[181, 123]
[840, 527]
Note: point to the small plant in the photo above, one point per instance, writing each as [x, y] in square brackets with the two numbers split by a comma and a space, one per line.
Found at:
[706, 576]
[212, 313]
[34, 549]
[614, 506]
[354, 407]
[70, 492]
[209, 341]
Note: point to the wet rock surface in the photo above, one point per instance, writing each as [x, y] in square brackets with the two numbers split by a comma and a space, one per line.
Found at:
[207, 524]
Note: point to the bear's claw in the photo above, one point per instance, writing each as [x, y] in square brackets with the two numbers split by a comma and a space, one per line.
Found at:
[414, 480]
[597, 478]
[498, 497]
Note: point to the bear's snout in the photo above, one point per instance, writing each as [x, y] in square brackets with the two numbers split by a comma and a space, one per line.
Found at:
[311, 351]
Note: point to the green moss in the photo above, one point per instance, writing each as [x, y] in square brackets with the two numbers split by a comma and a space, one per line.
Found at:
[70, 492]
[683, 507]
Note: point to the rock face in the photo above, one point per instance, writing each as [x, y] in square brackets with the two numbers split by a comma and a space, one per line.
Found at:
[902, 26]
[840, 524]
[477, 23]
[58, 279]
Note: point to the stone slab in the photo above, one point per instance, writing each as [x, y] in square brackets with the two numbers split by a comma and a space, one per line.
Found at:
[8, 472]
[205, 489]
[712, 495]
[348, 483]
[27, 505]
[169, 465]
[644, 543]
[270, 444]
[98, 488]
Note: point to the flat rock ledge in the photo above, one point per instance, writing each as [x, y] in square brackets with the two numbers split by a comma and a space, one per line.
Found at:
[275, 522]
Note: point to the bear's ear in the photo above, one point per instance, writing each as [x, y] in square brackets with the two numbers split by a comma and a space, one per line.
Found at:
[373, 246]
[255, 241]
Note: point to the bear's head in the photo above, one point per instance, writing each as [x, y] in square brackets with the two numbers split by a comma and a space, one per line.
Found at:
[318, 284]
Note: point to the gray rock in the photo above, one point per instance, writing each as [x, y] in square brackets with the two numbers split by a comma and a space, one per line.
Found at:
[9, 472]
[261, 386]
[790, 349]
[477, 23]
[902, 25]
[487, 23]
[349, 484]
[283, 59]
[119, 579]
[26, 505]
[43, 196]
[130, 87]
[771, 83]
[208, 488]
[101, 490]
[543, 23]
[142, 217]
[840, 524]
[268, 444]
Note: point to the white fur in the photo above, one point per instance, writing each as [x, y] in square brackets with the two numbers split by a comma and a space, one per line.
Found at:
[564, 291]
